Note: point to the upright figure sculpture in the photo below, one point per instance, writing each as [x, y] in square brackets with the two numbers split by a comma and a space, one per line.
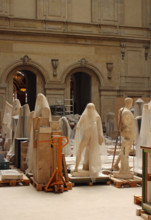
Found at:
[126, 128]
[88, 137]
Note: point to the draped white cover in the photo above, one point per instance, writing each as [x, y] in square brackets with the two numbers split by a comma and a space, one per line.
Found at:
[89, 131]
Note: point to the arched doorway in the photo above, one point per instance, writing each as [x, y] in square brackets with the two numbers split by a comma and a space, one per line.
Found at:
[92, 80]
[24, 87]
[80, 91]
[31, 82]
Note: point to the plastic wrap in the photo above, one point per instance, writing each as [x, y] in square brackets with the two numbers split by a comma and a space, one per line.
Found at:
[7, 121]
[89, 141]
[15, 114]
[30, 143]
[42, 108]
[66, 131]
[143, 137]
[16, 107]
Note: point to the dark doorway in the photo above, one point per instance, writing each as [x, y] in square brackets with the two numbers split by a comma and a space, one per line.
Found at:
[24, 82]
[80, 91]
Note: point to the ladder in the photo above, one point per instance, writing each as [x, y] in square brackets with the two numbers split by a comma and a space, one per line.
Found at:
[69, 106]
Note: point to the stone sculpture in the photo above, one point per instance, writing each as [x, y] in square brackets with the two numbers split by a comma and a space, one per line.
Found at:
[126, 128]
[88, 137]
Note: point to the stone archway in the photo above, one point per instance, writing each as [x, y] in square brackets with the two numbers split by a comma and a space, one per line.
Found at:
[96, 80]
[27, 65]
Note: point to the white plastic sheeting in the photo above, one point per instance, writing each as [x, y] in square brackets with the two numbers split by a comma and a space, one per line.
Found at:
[89, 141]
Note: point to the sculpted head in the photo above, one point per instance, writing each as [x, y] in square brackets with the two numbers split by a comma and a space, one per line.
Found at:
[90, 108]
[128, 102]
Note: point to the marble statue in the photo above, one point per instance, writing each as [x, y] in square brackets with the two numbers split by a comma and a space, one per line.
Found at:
[88, 138]
[126, 128]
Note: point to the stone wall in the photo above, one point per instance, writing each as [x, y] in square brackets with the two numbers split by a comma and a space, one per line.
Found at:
[84, 36]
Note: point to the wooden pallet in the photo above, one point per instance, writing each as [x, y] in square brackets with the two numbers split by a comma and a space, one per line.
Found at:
[119, 183]
[145, 215]
[102, 179]
[38, 186]
[138, 200]
[41, 187]
[25, 181]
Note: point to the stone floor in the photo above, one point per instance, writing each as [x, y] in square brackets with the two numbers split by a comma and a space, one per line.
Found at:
[99, 202]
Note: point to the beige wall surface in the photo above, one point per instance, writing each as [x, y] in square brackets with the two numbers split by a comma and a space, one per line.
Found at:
[127, 12]
[133, 12]
[24, 9]
[85, 36]
[81, 10]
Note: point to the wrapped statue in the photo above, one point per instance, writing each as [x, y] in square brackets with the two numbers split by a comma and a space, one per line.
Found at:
[7, 121]
[138, 110]
[68, 126]
[141, 115]
[14, 120]
[88, 138]
[126, 128]
[16, 107]
[42, 109]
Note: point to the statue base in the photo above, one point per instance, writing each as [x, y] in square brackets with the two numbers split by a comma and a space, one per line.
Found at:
[80, 173]
[123, 175]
